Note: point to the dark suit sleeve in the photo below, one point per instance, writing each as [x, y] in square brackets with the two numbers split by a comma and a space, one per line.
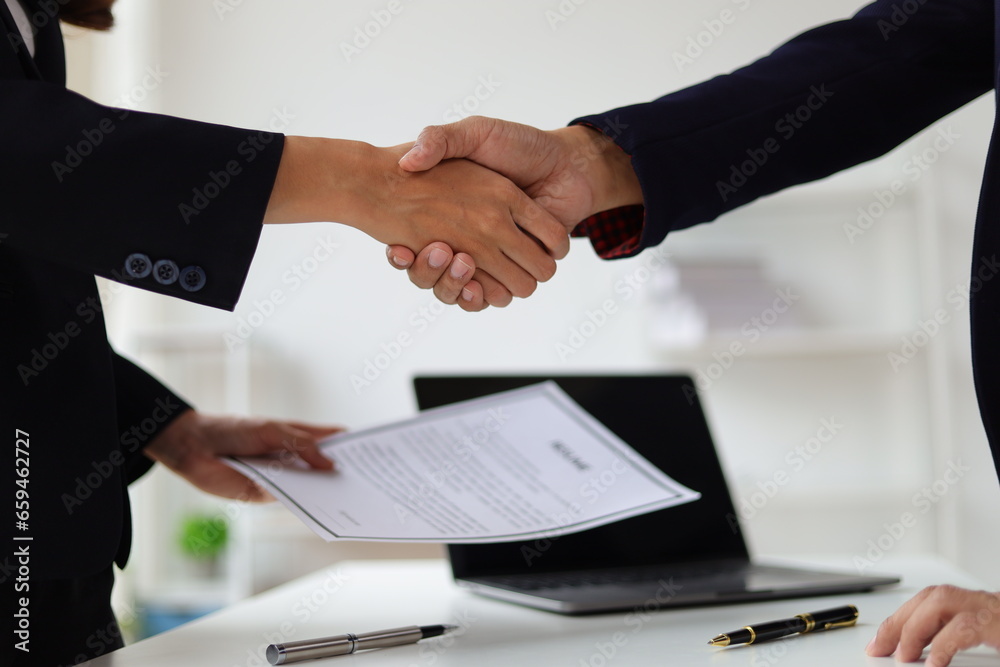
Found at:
[145, 407]
[87, 186]
[833, 97]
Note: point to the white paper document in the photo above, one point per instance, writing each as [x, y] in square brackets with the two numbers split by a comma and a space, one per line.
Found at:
[519, 465]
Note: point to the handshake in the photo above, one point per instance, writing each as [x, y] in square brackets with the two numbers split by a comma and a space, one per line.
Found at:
[478, 210]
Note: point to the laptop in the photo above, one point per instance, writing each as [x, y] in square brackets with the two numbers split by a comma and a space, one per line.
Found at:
[693, 554]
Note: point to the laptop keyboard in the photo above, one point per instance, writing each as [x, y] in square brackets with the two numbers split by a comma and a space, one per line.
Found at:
[586, 578]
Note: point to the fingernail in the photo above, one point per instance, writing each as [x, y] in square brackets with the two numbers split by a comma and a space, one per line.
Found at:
[437, 258]
[459, 269]
[868, 649]
[467, 294]
[413, 152]
[399, 261]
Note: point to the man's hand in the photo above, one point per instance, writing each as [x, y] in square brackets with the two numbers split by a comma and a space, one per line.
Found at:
[557, 169]
[572, 172]
[947, 618]
[468, 207]
[192, 444]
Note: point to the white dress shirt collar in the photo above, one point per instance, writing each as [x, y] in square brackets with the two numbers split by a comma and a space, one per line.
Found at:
[23, 24]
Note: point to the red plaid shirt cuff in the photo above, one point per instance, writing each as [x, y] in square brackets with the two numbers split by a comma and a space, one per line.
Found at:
[615, 233]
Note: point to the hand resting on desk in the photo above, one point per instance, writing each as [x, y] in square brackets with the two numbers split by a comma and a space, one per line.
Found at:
[947, 618]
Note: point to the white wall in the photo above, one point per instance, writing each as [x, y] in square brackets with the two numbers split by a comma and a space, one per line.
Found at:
[239, 66]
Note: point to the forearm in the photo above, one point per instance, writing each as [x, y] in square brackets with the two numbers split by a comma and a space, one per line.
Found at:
[469, 208]
[87, 186]
[324, 180]
[831, 98]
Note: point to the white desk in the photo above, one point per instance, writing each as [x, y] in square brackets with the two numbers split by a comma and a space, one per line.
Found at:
[360, 596]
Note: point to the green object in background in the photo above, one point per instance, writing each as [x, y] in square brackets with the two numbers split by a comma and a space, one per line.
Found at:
[203, 536]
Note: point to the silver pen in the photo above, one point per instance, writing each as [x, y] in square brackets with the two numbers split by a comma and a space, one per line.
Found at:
[327, 647]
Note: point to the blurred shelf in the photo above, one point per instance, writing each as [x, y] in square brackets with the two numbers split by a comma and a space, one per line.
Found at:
[185, 593]
[812, 342]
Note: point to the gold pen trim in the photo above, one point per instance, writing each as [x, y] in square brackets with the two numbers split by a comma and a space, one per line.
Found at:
[720, 640]
[753, 634]
[844, 624]
[840, 624]
[808, 620]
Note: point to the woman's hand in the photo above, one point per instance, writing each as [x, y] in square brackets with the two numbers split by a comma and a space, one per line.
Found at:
[192, 444]
[947, 618]
[471, 209]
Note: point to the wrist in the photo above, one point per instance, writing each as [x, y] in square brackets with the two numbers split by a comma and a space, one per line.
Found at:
[325, 180]
[171, 445]
[607, 169]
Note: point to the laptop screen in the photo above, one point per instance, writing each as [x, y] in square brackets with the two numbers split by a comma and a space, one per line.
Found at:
[661, 418]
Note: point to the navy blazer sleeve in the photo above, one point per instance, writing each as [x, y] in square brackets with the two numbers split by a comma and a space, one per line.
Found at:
[144, 408]
[87, 186]
[833, 97]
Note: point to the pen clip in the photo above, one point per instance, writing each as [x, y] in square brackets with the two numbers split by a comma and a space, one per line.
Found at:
[840, 624]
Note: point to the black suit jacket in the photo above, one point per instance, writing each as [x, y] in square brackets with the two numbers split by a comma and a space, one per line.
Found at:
[862, 85]
[164, 204]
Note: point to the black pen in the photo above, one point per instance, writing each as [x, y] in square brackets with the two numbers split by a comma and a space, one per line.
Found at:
[327, 647]
[828, 619]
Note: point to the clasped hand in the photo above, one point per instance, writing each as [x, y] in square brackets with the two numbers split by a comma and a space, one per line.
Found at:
[570, 173]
